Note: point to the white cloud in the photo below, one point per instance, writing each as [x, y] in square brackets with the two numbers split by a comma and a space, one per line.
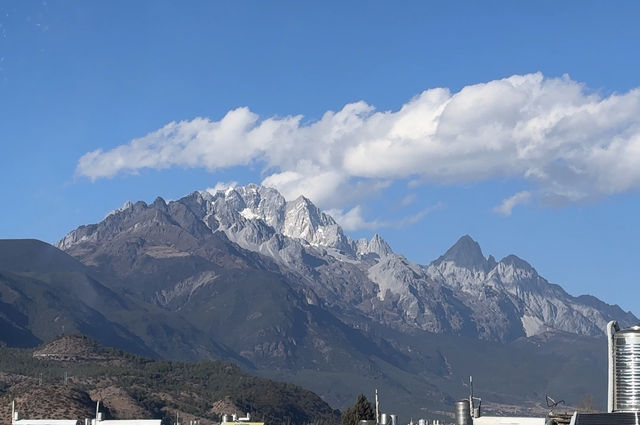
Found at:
[569, 144]
[408, 200]
[221, 186]
[354, 220]
[510, 203]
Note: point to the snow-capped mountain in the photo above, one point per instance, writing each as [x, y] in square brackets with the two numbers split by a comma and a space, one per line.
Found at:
[462, 292]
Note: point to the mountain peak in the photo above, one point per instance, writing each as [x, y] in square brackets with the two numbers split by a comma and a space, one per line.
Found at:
[517, 262]
[303, 200]
[465, 253]
[379, 246]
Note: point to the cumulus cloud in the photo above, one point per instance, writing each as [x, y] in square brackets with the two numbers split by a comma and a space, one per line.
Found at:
[510, 203]
[567, 143]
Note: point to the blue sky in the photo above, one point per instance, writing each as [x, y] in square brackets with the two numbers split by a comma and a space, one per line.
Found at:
[531, 145]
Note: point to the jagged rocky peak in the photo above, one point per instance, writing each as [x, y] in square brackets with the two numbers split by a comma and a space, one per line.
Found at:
[252, 202]
[113, 222]
[299, 219]
[466, 253]
[515, 261]
[303, 220]
[512, 268]
[124, 207]
[376, 245]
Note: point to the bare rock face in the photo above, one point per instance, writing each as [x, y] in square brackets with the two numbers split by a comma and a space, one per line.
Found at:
[509, 299]
[246, 275]
[462, 292]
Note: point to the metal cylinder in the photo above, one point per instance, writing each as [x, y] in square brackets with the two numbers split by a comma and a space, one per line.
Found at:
[384, 420]
[225, 418]
[394, 419]
[422, 422]
[463, 412]
[626, 370]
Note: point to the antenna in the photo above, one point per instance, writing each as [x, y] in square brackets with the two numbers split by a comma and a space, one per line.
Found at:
[471, 392]
[552, 403]
[475, 411]
[377, 408]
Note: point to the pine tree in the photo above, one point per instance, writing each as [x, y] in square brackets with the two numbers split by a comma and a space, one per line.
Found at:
[362, 410]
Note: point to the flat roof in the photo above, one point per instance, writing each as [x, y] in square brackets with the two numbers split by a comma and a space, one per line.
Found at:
[45, 422]
[508, 420]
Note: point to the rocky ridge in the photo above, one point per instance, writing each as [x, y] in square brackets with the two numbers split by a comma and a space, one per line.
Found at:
[462, 292]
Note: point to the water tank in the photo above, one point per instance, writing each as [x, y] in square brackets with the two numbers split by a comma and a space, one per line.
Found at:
[422, 422]
[225, 418]
[626, 370]
[384, 420]
[463, 412]
[394, 419]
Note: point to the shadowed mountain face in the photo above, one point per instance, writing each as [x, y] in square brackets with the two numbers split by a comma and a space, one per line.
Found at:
[278, 287]
[44, 292]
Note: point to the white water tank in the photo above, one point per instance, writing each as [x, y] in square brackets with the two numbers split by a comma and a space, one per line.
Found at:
[624, 368]
[463, 413]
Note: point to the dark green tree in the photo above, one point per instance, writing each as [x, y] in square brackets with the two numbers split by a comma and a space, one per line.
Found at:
[362, 410]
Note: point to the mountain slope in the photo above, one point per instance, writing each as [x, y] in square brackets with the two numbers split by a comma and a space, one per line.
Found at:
[129, 385]
[282, 286]
[45, 292]
[525, 303]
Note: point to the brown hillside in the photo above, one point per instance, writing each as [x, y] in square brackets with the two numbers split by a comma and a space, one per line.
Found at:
[70, 348]
[46, 402]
